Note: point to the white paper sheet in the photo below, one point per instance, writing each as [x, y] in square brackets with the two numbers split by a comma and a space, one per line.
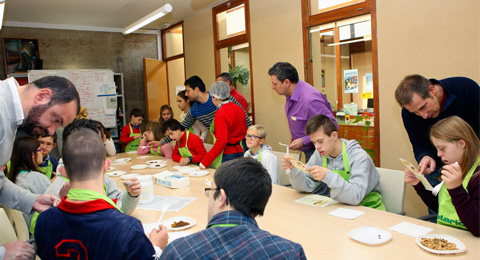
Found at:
[175, 203]
[346, 213]
[411, 229]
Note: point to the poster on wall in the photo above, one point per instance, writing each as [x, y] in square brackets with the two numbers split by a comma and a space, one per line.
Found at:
[369, 79]
[350, 79]
[21, 54]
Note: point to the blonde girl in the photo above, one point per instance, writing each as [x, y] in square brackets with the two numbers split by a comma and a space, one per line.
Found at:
[458, 200]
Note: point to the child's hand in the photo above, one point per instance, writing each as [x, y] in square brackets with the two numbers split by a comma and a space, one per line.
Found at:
[286, 164]
[159, 236]
[184, 161]
[154, 144]
[410, 177]
[452, 176]
[135, 187]
[317, 172]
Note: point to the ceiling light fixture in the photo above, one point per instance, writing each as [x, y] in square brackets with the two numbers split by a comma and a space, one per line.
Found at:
[148, 18]
[2, 9]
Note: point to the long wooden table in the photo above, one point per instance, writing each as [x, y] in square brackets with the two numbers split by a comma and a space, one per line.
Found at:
[321, 235]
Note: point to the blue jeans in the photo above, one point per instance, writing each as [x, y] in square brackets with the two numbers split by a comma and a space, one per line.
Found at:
[228, 157]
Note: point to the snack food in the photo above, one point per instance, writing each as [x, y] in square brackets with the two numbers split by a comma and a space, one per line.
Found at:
[438, 244]
[298, 164]
[177, 224]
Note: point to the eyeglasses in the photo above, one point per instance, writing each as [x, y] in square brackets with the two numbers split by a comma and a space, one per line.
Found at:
[41, 150]
[207, 191]
[46, 144]
[252, 137]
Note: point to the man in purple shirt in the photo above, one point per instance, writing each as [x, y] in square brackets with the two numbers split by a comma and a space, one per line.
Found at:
[302, 102]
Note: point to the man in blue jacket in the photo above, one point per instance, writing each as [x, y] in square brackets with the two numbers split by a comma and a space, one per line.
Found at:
[427, 101]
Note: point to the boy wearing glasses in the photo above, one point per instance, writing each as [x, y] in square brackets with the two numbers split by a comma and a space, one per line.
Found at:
[239, 193]
[189, 147]
[258, 150]
[49, 163]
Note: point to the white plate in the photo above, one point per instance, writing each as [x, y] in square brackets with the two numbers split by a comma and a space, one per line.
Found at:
[116, 173]
[156, 162]
[139, 167]
[131, 152]
[461, 247]
[111, 168]
[157, 166]
[198, 173]
[370, 235]
[168, 223]
[123, 160]
[184, 169]
[129, 176]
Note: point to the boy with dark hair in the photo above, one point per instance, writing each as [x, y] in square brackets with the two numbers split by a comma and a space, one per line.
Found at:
[338, 167]
[132, 133]
[239, 193]
[189, 147]
[87, 221]
[49, 164]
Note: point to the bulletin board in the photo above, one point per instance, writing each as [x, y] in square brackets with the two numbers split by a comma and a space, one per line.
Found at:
[96, 88]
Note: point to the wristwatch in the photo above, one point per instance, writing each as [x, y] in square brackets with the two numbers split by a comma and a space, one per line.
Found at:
[190, 158]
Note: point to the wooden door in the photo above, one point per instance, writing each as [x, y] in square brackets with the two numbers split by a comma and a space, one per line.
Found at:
[156, 87]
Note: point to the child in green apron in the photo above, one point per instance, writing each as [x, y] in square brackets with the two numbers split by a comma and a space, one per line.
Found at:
[458, 198]
[185, 104]
[132, 133]
[153, 132]
[339, 168]
[23, 170]
[49, 163]
[189, 148]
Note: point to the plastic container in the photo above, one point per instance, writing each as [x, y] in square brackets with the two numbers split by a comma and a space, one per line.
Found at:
[147, 194]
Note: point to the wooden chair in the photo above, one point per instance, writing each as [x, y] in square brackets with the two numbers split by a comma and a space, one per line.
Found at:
[18, 223]
[7, 233]
[393, 189]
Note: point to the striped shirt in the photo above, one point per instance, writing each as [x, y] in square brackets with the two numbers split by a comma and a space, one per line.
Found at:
[205, 113]
[245, 241]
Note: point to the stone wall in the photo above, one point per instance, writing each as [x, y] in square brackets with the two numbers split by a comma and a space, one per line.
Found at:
[69, 49]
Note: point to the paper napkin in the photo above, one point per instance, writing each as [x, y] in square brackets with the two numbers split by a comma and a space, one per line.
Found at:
[411, 229]
[346, 213]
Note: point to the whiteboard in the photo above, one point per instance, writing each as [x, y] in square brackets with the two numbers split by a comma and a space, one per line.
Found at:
[96, 89]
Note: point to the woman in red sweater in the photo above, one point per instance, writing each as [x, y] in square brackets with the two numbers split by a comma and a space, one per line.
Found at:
[228, 128]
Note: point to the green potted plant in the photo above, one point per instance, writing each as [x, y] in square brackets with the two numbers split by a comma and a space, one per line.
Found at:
[239, 73]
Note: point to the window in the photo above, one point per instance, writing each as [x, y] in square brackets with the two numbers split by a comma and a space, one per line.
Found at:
[232, 46]
[341, 62]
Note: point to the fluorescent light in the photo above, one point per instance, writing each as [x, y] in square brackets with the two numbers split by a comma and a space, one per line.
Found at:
[148, 18]
[2, 9]
[365, 39]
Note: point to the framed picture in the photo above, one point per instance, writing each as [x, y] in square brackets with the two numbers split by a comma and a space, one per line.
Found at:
[20, 54]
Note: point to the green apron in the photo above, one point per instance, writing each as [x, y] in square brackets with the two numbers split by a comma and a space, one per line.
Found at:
[133, 145]
[184, 152]
[158, 152]
[373, 199]
[47, 170]
[216, 163]
[223, 225]
[259, 158]
[447, 215]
